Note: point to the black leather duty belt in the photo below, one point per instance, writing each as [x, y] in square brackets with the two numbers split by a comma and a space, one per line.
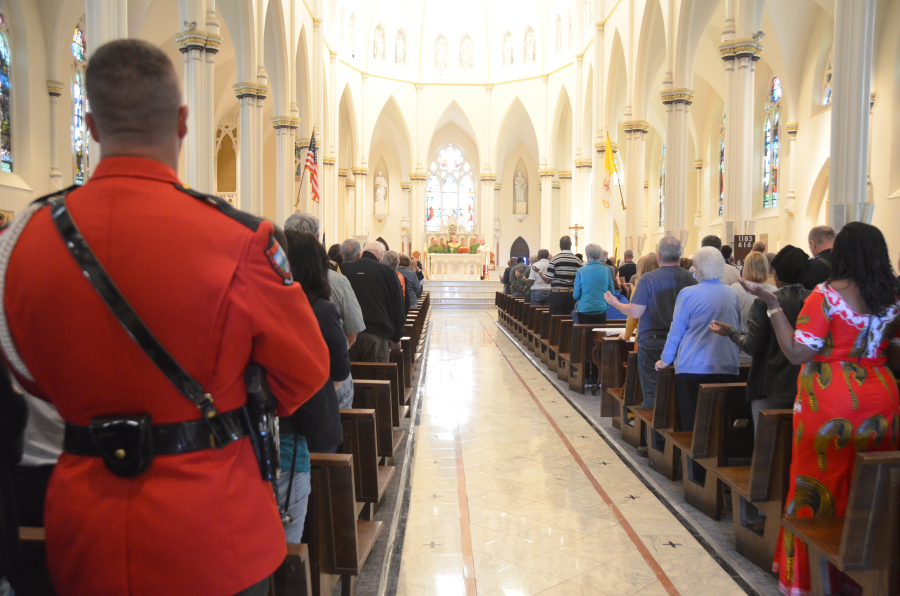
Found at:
[167, 439]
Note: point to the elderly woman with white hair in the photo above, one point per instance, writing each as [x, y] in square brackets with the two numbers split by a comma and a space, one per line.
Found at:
[592, 282]
[701, 356]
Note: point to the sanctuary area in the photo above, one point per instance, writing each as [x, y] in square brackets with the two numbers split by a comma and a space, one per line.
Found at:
[557, 297]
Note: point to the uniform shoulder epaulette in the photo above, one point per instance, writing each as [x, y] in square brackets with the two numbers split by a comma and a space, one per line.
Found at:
[53, 195]
[242, 217]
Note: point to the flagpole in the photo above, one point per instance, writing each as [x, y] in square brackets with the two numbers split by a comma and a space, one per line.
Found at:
[621, 195]
[303, 173]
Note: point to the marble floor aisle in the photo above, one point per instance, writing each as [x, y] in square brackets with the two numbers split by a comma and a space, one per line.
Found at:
[513, 493]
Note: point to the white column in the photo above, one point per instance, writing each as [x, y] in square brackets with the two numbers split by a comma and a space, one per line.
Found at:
[330, 225]
[328, 200]
[677, 102]
[854, 31]
[635, 131]
[247, 170]
[485, 223]
[417, 211]
[595, 215]
[318, 82]
[565, 202]
[496, 244]
[256, 200]
[285, 136]
[547, 210]
[405, 236]
[105, 20]
[791, 128]
[574, 195]
[698, 217]
[345, 212]
[350, 206]
[199, 50]
[740, 57]
[554, 228]
[55, 89]
[359, 174]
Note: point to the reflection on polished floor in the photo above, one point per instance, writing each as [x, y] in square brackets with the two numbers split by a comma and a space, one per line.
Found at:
[513, 493]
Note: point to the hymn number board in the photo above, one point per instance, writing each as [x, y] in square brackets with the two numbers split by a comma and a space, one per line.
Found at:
[742, 247]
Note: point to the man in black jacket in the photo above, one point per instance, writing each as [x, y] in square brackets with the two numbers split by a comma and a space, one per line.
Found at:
[378, 291]
[772, 383]
[821, 239]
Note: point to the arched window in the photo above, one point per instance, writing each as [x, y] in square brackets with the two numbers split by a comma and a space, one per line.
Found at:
[80, 141]
[450, 192]
[6, 159]
[662, 186]
[722, 166]
[772, 144]
[826, 80]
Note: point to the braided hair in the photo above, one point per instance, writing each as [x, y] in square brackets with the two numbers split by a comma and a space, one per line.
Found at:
[860, 255]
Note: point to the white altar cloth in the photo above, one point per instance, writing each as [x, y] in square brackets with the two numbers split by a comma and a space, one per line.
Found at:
[455, 267]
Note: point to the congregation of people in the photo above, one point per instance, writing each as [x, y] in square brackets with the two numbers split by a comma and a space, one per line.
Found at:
[219, 289]
[820, 333]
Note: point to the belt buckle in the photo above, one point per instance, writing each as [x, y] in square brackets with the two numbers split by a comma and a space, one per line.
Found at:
[124, 443]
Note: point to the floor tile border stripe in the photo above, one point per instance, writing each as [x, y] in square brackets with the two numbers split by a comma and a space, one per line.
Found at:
[620, 518]
[724, 559]
[465, 528]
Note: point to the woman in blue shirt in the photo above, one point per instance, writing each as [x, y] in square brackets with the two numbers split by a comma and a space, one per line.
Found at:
[591, 282]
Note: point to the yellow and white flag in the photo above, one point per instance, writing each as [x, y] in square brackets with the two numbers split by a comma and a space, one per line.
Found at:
[609, 168]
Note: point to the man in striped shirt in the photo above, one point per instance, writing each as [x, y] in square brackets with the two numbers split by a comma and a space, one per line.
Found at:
[560, 274]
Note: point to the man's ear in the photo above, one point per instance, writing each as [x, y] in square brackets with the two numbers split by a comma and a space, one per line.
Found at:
[92, 126]
[182, 121]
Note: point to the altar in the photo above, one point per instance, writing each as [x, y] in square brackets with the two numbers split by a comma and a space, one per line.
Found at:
[455, 267]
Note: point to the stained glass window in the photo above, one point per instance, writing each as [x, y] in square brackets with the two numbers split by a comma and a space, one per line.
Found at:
[6, 160]
[771, 145]
[722, 166]
[80, 140]
[826, 83]
[662, 186]
[450, 192]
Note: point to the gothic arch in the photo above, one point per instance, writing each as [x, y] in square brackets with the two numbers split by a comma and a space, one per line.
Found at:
[651, 57]
[347, 131]
[519, 248]
[454, 116]
[303, 86]
[275, 58]
[616, 86]
[559, 153]
[516, 127]
[390, 127]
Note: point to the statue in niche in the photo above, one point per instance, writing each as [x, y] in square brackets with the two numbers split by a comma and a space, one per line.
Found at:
[380, 188]
[379, 45]
[529, 47]
[507, 51]
[558, 34]
[465, 54]
[400, 51]
[440, 53]
[520, 186]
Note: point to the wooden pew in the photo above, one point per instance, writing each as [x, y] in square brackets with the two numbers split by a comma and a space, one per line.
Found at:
[630, 395]
[550, 337]
[561, 365]
[293, 578]
[612, 370]
[722, 430]
[383, 371]
[404, 391]
[862, 543]
[581, 347]
[758, 491]
[338, 542]
[371, 480]
[664, 458]
[409, 371]
[376, 395]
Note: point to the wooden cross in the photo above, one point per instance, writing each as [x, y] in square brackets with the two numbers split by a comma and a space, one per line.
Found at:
[576, 227]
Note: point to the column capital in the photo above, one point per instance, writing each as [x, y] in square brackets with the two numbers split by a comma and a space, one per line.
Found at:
[601, 147]
[488, 87]
[317, 21]
[640, 126]
[405, 185]
[685, 96]
[740, 48]
[584, 163]
[555, 185]
[285, 122]
[343, 173]
[192, 39]
[419, 86]
[698, 164]
[350, 183]
[547, 172]
[599, 25]
[564, 175]
[487, 177]
[496, 187]
[329, 161]
[417, 176]
[242, 90]
[360, 171]
[55, 88]
[791, 128]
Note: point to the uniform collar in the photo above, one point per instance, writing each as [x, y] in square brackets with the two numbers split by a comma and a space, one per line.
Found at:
[134, 167]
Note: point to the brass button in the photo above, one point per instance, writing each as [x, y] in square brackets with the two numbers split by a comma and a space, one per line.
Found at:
[120, 454]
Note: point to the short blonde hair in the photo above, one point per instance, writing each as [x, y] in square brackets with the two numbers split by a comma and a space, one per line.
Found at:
[756, 267]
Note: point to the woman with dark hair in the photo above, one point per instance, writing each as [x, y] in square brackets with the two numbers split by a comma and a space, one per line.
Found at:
[847, 398]
[335, 256]
[316, 426]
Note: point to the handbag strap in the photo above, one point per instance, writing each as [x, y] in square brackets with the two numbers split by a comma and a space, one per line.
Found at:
[122, 310]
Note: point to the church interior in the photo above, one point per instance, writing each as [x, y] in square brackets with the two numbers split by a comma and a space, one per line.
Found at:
[488, 124]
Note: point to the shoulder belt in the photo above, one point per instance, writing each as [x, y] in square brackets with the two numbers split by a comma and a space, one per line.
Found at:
[242, 217]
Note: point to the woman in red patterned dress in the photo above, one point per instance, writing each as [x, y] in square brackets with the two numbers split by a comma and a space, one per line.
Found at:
[847, 399]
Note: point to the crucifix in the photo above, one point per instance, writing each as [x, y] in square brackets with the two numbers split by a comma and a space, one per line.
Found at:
[576, 227]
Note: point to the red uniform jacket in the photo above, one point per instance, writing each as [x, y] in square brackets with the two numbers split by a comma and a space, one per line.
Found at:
[198, 523]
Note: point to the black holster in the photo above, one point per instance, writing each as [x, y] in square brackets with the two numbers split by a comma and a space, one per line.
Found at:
[262, 421]
[125, 444]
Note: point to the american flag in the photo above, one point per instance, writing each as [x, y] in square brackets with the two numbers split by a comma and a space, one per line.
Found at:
[312, 161]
